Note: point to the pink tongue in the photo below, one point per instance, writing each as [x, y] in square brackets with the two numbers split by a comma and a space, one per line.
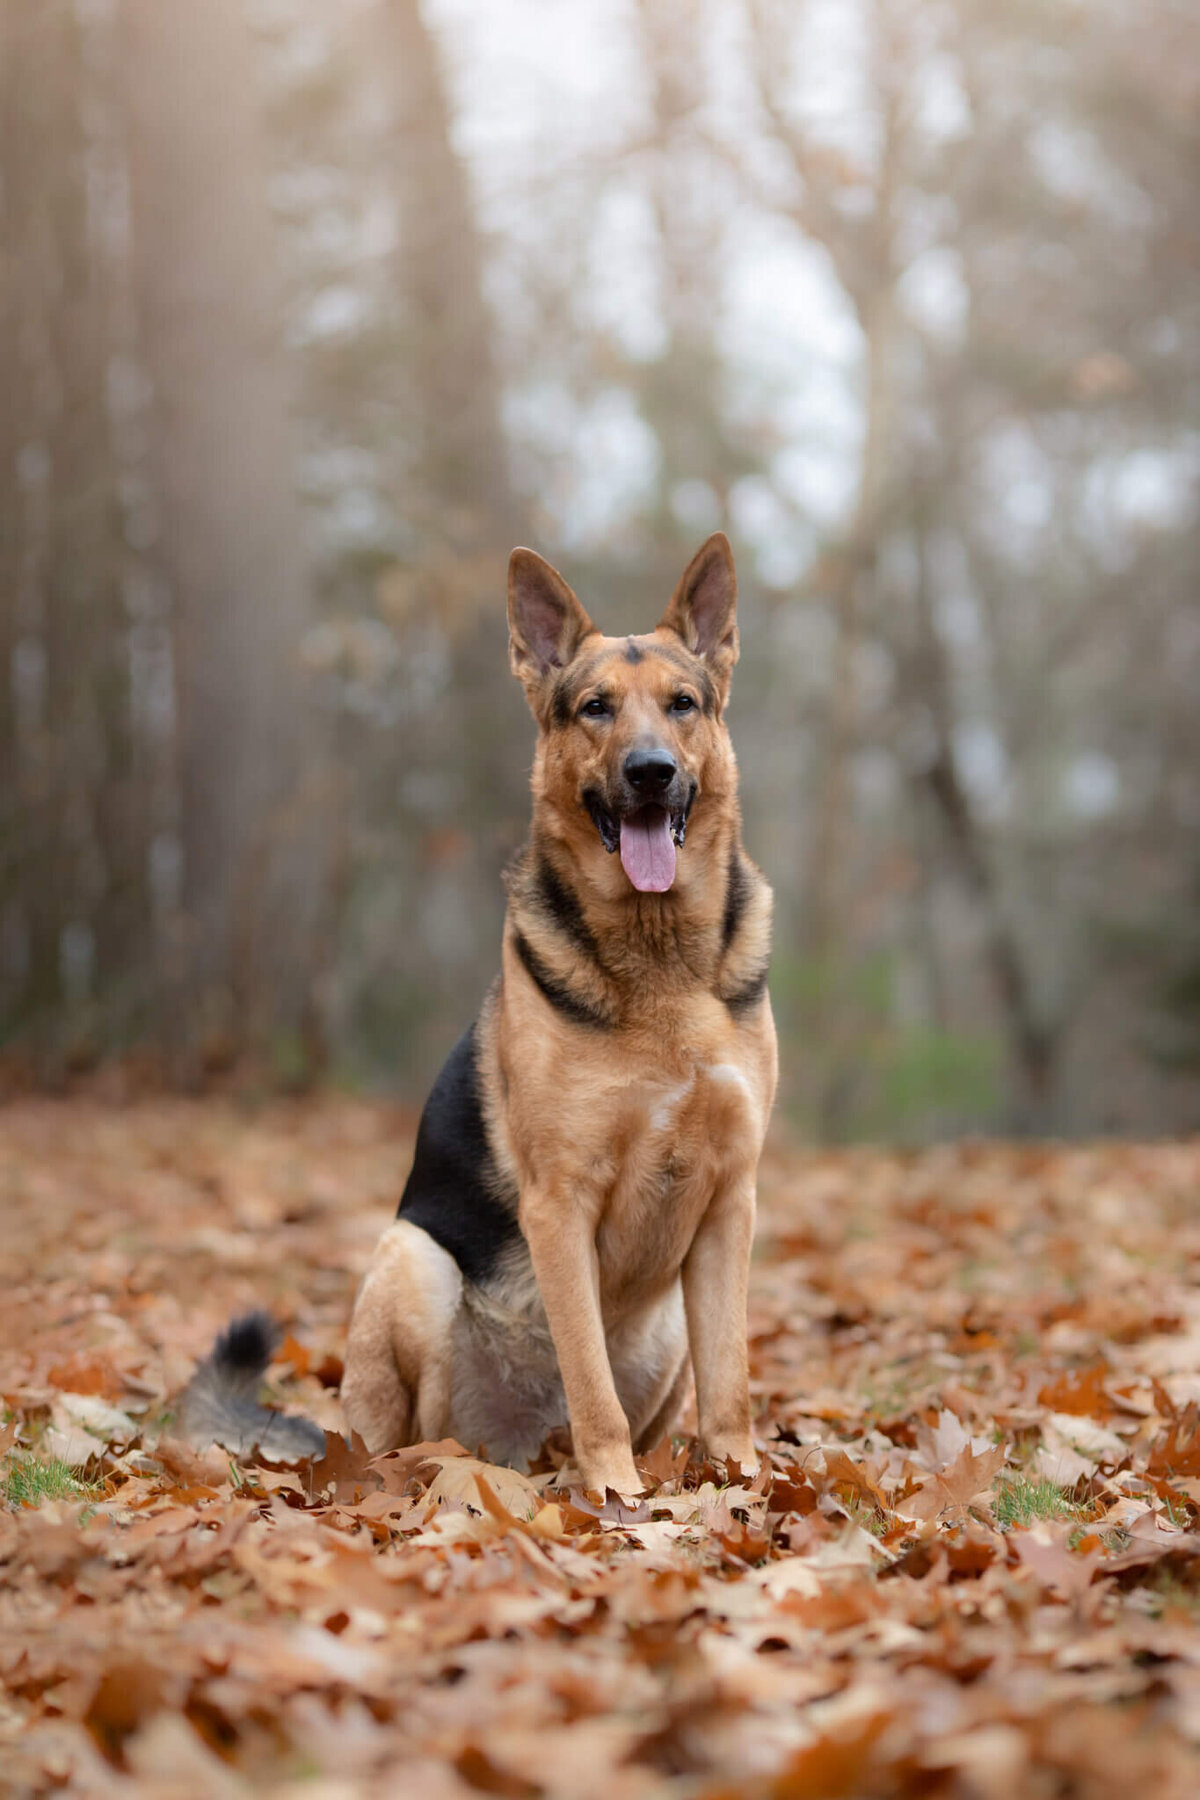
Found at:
[647, 850]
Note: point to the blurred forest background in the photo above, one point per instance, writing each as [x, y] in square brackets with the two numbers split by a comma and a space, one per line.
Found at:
[311, 309]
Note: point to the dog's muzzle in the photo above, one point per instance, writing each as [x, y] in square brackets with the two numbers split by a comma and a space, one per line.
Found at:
[646, 818]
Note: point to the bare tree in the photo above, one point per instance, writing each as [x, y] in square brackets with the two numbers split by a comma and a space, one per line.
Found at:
[930, 408]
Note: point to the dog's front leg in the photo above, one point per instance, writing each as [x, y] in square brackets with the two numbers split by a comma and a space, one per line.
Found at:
[716, 1274]
[562, 1246]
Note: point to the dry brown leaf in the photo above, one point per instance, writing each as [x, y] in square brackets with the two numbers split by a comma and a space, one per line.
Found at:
[952, 1490]
[457, 1483]
[427, 1619]
[858, 1477]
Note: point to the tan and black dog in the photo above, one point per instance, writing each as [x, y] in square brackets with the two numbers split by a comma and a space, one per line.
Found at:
[581, 1203]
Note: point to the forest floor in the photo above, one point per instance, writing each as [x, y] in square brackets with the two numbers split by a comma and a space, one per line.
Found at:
[970, 1565]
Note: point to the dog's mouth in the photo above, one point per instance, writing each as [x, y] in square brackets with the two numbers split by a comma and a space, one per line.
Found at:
[647, 838]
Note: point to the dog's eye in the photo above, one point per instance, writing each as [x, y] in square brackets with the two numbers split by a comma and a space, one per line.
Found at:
[683, 703]
[594, 708]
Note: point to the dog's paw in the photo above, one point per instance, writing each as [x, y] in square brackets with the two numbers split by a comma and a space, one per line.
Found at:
[737, 1450]
[618, 1477]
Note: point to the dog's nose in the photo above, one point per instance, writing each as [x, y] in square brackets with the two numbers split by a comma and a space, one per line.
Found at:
[649, 771]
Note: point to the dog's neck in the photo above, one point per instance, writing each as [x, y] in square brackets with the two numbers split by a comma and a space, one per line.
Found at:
[574, 907]
[604, 954]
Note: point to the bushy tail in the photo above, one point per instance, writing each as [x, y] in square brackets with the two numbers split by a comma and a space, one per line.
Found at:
[220, 1403]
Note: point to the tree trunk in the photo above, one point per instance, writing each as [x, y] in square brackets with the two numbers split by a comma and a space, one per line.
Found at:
[464, 458]
[232, 530]
[1033, 1041]
[68, 877]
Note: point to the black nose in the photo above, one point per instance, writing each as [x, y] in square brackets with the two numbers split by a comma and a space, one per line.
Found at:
[649, 771]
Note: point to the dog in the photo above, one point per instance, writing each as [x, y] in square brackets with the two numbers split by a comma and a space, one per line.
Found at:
[577, 1224]
[576, 1227]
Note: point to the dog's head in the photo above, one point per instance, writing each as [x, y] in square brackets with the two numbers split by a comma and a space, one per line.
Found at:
[633, 748]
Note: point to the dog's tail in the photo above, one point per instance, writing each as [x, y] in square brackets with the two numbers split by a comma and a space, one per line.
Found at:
[220, 1403]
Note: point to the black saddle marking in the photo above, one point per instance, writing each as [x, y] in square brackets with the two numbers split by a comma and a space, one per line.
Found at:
[453, 1191]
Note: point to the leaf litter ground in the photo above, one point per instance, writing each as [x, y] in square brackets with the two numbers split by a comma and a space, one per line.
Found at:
[970, 1564]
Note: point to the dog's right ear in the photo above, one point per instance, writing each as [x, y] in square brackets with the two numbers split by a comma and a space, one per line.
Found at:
[546, 624]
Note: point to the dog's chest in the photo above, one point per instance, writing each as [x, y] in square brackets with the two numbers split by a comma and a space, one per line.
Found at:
[675, 1141]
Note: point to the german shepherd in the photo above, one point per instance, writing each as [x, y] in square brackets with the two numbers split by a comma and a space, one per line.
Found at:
[581, 1203]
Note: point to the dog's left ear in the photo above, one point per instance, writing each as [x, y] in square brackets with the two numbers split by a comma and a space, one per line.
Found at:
[703, 609]
[546, 623]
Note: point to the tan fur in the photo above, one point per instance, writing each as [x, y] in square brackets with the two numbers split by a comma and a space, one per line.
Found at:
[633, 1139]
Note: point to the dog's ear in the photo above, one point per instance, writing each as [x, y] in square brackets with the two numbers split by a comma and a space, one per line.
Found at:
[703, 609]
[546, 623]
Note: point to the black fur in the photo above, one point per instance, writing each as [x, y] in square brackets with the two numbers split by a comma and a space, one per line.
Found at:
[747, 997]
[560, 904]
[737, 892]
[569, 1004]
[602, 819]
[679, 823]
[453, 1191]
[245, 1347]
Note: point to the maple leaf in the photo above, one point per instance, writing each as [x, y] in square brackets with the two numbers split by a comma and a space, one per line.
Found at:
[612, 1510]
[88, 1375]
[953, 1489]
[858, 1477]
[347, 1467]
[196, 1468]
[1083, 1391]
[400, 1469]
[1177, 1452]
[459, 1481]
[941, 1443]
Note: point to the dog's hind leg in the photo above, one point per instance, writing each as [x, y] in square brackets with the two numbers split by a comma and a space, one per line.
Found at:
[396, 1388]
